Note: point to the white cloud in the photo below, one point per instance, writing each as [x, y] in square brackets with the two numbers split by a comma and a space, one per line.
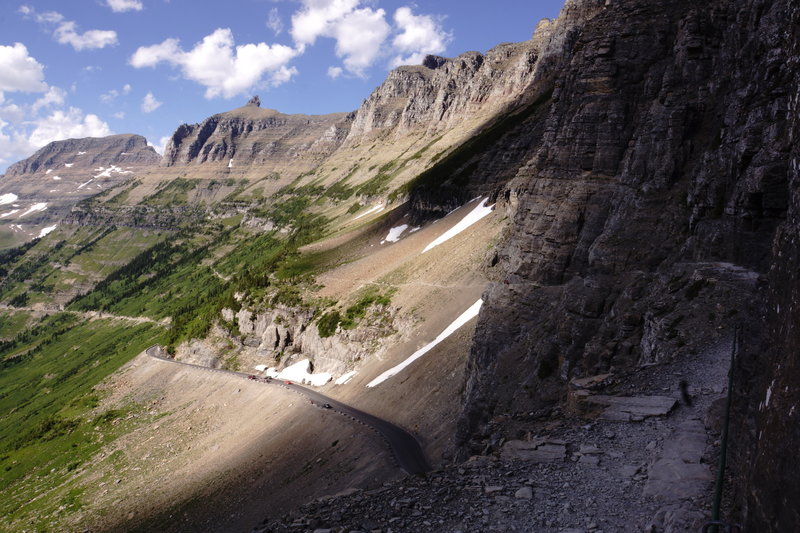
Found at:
[71, 124]
[27, 127]
[420, 35]
[359, 32]
[53, 96]
[224, 69]
[274, 21]
[120, 6]
[12, 112]
[19, 71]
[150, 104]
[334, 72]
[66, 31]
[20, 140]
[66, 34]
[162, 144]
[110, 96]
[316, 18]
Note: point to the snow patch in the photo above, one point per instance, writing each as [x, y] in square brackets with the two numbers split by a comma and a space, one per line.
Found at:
[465, 317]
[81, 153]
[769, 394]
[230, 163]
[8, 198]
[34, 208]
[344, 378]
[474, 216]
[46, 230]
[9, 213]
[48, 171]
[82, 185]
[68, 165]
[394, 233]
[373, 209]
[260, 368]
[299, 372]
[106, 172]
[56, 177]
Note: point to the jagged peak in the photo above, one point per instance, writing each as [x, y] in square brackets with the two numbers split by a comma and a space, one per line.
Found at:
[254, 102]
[433, 62]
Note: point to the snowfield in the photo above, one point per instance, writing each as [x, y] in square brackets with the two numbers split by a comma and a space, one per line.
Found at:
[9, 213]
[474, 216]
[106, 172]
[46, 230]
[34, 208]
[465, 317]
[394, 233]
[373, 209]
[298, 372]
[344, 378]
[8, 198]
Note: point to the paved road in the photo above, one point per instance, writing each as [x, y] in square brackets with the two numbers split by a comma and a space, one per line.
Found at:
[404, 446]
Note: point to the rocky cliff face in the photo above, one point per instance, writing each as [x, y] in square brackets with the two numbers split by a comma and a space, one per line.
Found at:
[41, 189]
[250, 140]
[443, 93]
[71, 156]
[766, 432]
[282, 335]
[645, 216]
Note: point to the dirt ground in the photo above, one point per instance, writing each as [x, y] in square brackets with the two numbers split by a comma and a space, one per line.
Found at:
[250, 448]
[216, 452]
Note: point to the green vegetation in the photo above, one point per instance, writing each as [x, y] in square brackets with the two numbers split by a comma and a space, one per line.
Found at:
[329, 322]
[48, 427]
[12, 323]
[166, 280]
[122, 195]
[174, 192]
[379, 183]
[41, 270]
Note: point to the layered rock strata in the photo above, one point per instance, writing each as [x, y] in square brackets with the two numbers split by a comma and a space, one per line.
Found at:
[255, 142]
[645, 221]
[42, 189]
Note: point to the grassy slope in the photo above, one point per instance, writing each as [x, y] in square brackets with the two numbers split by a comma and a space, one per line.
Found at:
[46, 393]
[49, 426]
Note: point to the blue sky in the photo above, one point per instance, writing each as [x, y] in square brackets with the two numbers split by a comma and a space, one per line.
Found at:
[83, 68]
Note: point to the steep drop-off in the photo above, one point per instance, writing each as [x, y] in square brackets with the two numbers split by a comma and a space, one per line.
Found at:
[643, 222]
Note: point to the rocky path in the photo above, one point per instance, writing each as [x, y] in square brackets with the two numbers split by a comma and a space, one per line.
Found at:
[639, 471]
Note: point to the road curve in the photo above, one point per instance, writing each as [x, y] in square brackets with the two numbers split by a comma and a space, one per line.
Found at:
[404, 446]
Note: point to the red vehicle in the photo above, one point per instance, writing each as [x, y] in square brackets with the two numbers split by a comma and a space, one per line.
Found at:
[288, 382]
